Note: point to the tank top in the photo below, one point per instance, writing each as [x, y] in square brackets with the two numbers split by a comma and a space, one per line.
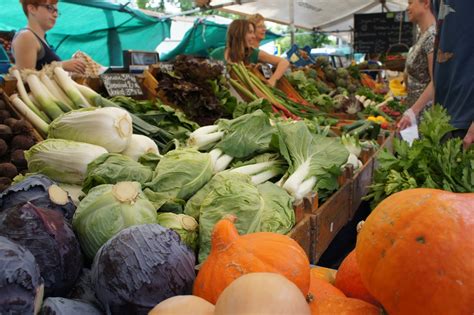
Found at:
[45, 55]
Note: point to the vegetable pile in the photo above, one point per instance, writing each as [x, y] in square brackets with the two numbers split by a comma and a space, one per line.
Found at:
[16, 136]
[429, 163]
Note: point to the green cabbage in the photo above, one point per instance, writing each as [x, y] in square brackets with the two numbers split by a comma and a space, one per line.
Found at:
[185, 225]
[108, 209]
[62, 160]
[113, 168]
[263, 208]
[178, 175]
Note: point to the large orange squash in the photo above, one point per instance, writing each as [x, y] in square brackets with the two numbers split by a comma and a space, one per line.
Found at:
[416, 252]
[233, 255]
[321, 289]
[348, 280]
[344, 306]
[324, 273]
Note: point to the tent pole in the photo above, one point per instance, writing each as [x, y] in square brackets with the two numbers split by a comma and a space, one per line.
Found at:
[292, 21]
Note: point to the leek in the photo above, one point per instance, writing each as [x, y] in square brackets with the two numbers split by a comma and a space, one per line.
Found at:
[26, 99]
[63, 101]
[43, 97]
[51, 96]
[30, 115]
[69, 86]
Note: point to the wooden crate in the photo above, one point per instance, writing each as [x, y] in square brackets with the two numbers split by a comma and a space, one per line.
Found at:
[302, 233]
[329, 219]
[360, 184]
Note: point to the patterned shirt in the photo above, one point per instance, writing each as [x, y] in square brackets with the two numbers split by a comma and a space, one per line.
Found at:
[417, 65]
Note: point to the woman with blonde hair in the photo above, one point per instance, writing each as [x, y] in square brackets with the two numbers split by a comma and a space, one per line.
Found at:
[239, 48]
[29, 46]
[260, 28]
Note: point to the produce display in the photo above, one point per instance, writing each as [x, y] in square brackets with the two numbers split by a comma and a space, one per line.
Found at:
[130, 206]
[427, 163]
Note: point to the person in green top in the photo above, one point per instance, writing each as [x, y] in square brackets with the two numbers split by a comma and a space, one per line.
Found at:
[240, 38]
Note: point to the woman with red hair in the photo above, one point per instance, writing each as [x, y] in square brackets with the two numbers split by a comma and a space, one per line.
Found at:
[30, 48]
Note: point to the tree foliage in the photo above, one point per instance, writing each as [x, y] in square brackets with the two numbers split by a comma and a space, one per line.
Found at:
[313, 40]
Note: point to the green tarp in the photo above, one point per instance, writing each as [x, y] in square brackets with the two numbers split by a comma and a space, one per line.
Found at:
[97, 27]
[203, 37]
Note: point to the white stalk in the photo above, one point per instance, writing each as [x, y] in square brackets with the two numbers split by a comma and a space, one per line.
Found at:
[294, 181]
[305, 188]
[25, 97]
[205, 130]
[215, 154]
[43, 97]
[204, 140]
[69, 87]
[88, 93]
[222, 163]
[55, 91]
[31, 116]
[253, 168]
[264, 176]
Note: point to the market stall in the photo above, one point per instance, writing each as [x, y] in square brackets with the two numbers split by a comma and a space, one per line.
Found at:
[132, 191]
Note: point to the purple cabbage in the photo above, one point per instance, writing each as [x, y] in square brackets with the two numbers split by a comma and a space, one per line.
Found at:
[21, 285]
[34, 189]
[62, 306]
[140, 267]
[50, 239]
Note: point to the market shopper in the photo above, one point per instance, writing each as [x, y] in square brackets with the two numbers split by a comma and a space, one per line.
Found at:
[419, 65]
[29, 46]
[260, 29]
[454, 65]
[240, 36]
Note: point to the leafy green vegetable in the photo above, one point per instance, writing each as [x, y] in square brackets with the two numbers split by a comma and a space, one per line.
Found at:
[314, 161]
[243, 108]
[108, 209]
[261, 208]
[305, 86]
[429, 162]
[178, 175]
[185, 225]
[112, 168]
[163, 116]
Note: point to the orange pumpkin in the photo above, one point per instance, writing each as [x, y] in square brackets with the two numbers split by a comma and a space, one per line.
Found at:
[344, 306]
[415, 252]
[348, 280]
[321, 289]
[233, 255]
[324, 273]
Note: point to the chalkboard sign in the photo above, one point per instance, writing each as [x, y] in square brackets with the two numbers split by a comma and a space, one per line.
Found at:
[121, 84]
[376, 32]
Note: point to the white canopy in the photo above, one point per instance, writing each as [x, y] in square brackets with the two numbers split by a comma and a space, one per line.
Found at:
[324, 15]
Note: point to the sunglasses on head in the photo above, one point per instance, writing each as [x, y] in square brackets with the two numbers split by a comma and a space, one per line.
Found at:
[51, 8]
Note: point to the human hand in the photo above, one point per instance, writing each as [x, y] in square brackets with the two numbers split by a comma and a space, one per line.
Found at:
[74, 65]
[272, 82]
[469, 138]
[408, 119]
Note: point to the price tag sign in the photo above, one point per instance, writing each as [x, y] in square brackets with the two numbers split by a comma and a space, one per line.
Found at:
[166, 67]
[267, 71]
[123, 84]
